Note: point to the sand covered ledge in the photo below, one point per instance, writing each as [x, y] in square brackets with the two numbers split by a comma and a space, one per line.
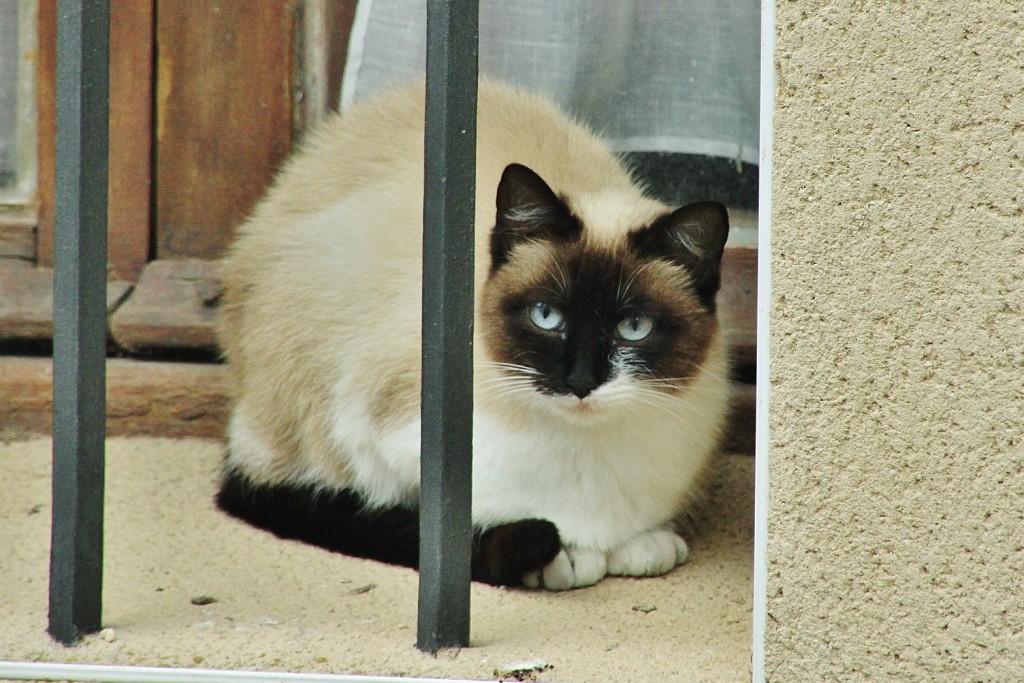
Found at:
[185, 586]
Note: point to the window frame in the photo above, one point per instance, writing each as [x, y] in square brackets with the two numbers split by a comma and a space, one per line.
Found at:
[44, 671]
[763, 378]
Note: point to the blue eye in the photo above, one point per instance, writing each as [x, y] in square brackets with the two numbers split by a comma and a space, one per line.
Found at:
[635, 328]
[545, 316]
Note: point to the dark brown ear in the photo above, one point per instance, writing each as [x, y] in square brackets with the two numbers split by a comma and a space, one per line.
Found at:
[528, 210]
[694, 237]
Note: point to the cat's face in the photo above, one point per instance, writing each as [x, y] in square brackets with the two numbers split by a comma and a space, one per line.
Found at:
[582, 325]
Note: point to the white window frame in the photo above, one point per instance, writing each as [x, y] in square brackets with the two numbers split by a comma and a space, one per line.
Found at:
[116, 674]
[764, 296]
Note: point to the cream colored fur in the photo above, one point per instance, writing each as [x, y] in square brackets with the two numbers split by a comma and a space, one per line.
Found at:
[321, 327]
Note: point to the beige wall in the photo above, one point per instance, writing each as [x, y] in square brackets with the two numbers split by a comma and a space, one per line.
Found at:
[896, 547]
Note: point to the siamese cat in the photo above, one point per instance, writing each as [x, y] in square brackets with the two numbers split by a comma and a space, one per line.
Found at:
[600, 378]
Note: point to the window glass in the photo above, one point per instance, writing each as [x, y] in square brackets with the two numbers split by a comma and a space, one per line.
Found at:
[8, 93]
[17, 105]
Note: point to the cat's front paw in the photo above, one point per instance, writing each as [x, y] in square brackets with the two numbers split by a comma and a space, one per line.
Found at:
[650, 554]
[571, 568]
[503, 554]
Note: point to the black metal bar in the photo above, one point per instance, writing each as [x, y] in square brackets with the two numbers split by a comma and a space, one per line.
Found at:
[79, 319]
[447, 396]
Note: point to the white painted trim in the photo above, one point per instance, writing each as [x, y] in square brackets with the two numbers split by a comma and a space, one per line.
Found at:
[99, 673]
[764, 294]
[38, 671]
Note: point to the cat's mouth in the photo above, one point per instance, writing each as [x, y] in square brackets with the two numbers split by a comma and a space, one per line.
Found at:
[582, 407]
[604, 402]
[586, 408]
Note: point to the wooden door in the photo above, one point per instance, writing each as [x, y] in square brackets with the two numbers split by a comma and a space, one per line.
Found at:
[131, 62]
[205, 101]
[223, 116]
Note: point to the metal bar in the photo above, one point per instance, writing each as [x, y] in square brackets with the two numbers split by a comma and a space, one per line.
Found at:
[447, 394]
[79, 319]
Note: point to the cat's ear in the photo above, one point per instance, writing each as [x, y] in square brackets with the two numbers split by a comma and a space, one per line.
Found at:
[694, 237]
[528, 209]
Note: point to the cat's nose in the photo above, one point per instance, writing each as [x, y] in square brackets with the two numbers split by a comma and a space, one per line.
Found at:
[581, 391]
[581, 383]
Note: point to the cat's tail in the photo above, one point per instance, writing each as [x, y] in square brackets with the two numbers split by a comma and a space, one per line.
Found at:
[340, 521]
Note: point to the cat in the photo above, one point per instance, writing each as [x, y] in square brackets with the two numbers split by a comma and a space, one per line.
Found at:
[601, 378]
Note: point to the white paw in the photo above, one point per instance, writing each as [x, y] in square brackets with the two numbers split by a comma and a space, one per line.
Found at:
[649, 554]
[571, 568]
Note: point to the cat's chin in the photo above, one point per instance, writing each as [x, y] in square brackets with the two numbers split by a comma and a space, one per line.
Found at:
[581, 410]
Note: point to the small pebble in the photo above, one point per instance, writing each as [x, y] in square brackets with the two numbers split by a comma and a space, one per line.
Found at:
[108, 635]
[203, 600]
[646, 609]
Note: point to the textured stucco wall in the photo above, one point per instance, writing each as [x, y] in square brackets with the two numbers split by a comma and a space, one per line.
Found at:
[896, 531]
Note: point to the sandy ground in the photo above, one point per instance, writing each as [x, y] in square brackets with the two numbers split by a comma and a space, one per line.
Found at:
[285, 606]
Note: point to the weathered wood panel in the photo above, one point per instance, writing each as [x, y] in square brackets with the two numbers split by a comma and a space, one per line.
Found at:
[173, 306]
[131, 135]
[223, 116]
[18, 238]
[152, 398]
[46, 129]
[737, 303]
[144, 398]
[131, 105]
[739, 433]
[26, 300]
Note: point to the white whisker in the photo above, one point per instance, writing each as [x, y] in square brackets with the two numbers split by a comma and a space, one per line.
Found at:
[623, 297]
[563, 279]
[510, 367]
